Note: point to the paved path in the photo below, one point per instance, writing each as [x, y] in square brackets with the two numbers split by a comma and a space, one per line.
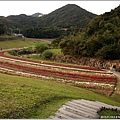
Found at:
[81, 109]
[117, 89]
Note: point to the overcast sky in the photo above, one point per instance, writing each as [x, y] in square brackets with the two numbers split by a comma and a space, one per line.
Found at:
[45, 7]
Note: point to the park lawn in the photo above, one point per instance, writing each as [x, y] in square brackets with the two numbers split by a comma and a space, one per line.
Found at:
[22, 97]
[19, 43]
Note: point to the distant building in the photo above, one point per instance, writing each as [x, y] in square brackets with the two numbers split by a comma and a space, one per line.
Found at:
[65, 29]
[19, 35]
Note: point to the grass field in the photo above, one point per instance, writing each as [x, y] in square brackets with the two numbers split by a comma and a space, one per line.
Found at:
[22, 97]
[28, 42]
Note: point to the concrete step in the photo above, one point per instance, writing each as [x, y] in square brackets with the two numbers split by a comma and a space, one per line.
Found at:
[93, 103]
[81, 107]
[53, 117]
[60, 115]
[80, 112]
[70, 114]
[87, 105]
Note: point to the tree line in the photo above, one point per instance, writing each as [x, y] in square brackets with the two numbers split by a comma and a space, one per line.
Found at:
[100, 38]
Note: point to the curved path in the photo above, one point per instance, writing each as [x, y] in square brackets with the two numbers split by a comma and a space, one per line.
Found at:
[117, 89]
[81, 109]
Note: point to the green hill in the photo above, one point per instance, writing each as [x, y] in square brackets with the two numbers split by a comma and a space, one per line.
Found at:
[100, 38]
[67, 16]
[21, 21]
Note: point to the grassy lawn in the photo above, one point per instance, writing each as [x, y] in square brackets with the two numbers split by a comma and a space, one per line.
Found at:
[22, 97]
[55, 51]
[28, 42]
[109, 114]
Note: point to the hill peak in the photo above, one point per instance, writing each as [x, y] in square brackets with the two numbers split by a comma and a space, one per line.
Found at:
[37, 15]
[69, 15]
[72, 5]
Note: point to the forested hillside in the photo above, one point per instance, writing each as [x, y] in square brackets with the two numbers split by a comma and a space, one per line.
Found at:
[48, 26]
[101, 38]
[67, 16]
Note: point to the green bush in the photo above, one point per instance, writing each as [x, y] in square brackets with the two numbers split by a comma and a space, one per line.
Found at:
[39, 48]
[47, 54]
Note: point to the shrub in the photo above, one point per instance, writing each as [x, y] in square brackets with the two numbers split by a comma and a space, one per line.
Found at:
[47, 54]
[39, 48]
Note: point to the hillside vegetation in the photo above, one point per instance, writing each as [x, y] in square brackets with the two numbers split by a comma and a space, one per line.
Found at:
[101, 38]
[67, 16]
[48, 26]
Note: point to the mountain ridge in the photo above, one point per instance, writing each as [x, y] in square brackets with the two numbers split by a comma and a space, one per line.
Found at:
[69, 13]
[51, 25]
[66, 16]
[37, 15]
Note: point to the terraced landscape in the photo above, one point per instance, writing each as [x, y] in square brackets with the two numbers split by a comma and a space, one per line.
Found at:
[88, 77]
[60, 65]
[73, 77]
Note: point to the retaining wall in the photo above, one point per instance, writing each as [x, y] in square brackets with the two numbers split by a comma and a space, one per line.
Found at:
[94, 62]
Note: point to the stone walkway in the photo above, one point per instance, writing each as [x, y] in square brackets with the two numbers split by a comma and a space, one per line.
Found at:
[81, 109]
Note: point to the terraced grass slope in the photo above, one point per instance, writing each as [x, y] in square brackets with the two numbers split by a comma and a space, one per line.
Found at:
[96, 79]
[28, 42]
[22, 97]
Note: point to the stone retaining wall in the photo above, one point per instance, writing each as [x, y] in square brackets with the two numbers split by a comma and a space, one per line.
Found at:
[94, 62]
